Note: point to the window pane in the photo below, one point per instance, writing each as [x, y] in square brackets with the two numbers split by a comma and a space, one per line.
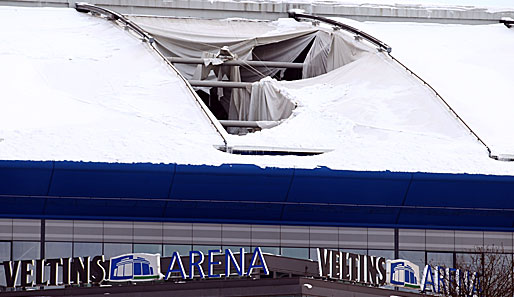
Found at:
[355, 251]
[300, 253]
[5, 251]
[440, 259]
[85, 249]
[205, 248]
[5, 255]
[55, 250]
[147, 248]
[500, 260]
[313, 254]
[235, 249]
[2, 276]
[25, 250]
[415, 257]
[116, 249]
[182, 249]
[388, 254]
[270, 250]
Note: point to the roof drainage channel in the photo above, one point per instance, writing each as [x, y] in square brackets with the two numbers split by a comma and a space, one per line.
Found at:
[271, 151]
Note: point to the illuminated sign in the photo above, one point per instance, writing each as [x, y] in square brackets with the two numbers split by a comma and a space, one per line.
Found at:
[352, 267]
[134, 267]
[402, 273]
[442, 280]
[376, 271]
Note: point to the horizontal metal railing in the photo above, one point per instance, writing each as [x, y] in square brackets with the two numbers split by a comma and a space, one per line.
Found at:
[220, 84]
[268, 64]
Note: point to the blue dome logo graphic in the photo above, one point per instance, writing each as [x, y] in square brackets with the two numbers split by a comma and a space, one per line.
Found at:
[403, 273]
[135, 267]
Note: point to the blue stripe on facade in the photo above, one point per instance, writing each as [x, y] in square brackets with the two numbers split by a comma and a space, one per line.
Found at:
[250, 194]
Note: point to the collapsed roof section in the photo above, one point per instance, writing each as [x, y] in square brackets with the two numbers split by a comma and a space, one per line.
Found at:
[284, 49]
[239, 56]
[375, 96]
[121, 102]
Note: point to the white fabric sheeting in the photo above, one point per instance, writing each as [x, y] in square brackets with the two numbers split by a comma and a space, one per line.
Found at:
[190, 38]
[268, 103]
[331, 50]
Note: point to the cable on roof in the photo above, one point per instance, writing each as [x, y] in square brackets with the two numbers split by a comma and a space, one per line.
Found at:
[381, 45]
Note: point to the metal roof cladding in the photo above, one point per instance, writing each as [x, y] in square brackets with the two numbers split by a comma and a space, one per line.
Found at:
[249, 194]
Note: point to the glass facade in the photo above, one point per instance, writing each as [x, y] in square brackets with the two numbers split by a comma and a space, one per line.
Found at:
[5, 251]
[270, 250]
[115, 249]
[205, 248]
[235, 248]
[58, 250]
[465, 259]
[91, 238]
[182, 249]
[87, 249]
[416, 257]
[55, 239]
[5, 255]
[148, 248]
[25, 250]
[440, 259]
[300, 253]
[388, 254]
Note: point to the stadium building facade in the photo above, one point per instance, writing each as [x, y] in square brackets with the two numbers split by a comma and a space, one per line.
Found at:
[69, 209]
[87, 209]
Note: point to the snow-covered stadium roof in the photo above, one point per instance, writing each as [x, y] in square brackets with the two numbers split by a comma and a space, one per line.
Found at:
[77, 87]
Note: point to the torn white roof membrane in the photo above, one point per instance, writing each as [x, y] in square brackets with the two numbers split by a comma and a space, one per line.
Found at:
[78, 87]
[194, 38]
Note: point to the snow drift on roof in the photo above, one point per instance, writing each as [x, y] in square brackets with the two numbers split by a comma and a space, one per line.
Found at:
[77, 87]
[81, 88]
[470, 66]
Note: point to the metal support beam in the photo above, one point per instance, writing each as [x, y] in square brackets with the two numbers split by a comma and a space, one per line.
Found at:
[381, 45]
[220, 84]
[114, 16]
[269, 64]
[249, 124]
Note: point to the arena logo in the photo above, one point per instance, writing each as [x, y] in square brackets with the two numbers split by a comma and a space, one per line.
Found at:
[197, 258]
[403, 273]
[352, 267]
[450, 281]
[376, 271]
[134, 267]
